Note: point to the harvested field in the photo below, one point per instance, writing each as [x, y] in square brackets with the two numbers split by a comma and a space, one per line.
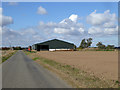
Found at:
[99, 63]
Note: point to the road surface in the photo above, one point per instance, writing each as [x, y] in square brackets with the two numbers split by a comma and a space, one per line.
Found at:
[20, 71]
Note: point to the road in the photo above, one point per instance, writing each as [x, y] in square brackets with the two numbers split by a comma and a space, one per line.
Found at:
[20, 71]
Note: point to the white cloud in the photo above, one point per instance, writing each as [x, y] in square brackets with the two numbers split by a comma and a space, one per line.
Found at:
[66, 21]
[1, 10]
[65, 27]
[9, 34]
[69, 31]
[73, 17]
[102, 23]
[5, 20]
[24, 37]
[81, 30]
[95, 30]
[101, 18]
[102, 31]
[0, 31]
[70, 26]
[29, 31]
[111, 30]
[41, 10]
[61, 30]
[109, 25]
[0, 28]
[0, 16]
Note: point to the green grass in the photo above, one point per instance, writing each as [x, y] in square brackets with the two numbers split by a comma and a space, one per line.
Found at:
[32, 51]
[29, 52]
[36, 58]
[96, 50]
[4, 58]
[106, 50]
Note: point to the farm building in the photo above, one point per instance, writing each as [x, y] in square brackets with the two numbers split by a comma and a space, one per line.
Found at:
[53, 45]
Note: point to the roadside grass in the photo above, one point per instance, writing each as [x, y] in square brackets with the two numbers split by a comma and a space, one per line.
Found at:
[106, 50]
[76, 77]
[29, 52]
[94, 49]
[36, 58]
[4, 58]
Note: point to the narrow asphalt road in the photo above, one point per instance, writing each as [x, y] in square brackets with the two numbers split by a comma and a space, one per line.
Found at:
[20, 71]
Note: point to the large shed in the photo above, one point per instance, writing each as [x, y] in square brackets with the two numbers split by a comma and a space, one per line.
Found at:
[52, 45]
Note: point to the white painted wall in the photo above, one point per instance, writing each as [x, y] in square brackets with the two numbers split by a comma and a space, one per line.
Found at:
[57, 49]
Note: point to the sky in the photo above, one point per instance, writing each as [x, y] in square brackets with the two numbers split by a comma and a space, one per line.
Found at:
[27, 23]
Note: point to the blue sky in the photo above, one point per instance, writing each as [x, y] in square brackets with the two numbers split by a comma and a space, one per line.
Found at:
[25, 18]
[25, 15]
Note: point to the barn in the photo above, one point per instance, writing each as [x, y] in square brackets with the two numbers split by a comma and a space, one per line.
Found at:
[53, 45]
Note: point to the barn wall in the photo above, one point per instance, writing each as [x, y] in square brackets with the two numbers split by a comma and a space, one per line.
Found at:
[57, 49]
[56, 44]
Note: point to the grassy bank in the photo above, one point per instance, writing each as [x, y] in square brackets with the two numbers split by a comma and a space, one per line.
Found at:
[74, 76]
[95, 49]
[29, 52]
[5, 57]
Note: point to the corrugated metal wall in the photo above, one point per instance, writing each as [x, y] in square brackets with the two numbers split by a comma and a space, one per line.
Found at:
[56, 44]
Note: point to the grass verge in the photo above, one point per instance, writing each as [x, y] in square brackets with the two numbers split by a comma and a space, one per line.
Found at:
[4, 58]
[74, 76]
[29, 52]
[78, 49]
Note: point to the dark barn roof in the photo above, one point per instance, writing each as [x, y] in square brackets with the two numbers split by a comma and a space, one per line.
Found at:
[55, 43]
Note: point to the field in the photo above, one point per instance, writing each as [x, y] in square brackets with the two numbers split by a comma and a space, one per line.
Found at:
[99, 63]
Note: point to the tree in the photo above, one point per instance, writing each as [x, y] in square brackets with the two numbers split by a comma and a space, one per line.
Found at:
[86, 43]
[17, 48]
[83, 44]
[89, 42]
[110, 47]
[100, 45]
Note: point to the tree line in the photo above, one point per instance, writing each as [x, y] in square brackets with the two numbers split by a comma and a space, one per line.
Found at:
[86, 43]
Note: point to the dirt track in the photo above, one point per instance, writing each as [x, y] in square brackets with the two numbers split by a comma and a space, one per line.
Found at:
[101, 63]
